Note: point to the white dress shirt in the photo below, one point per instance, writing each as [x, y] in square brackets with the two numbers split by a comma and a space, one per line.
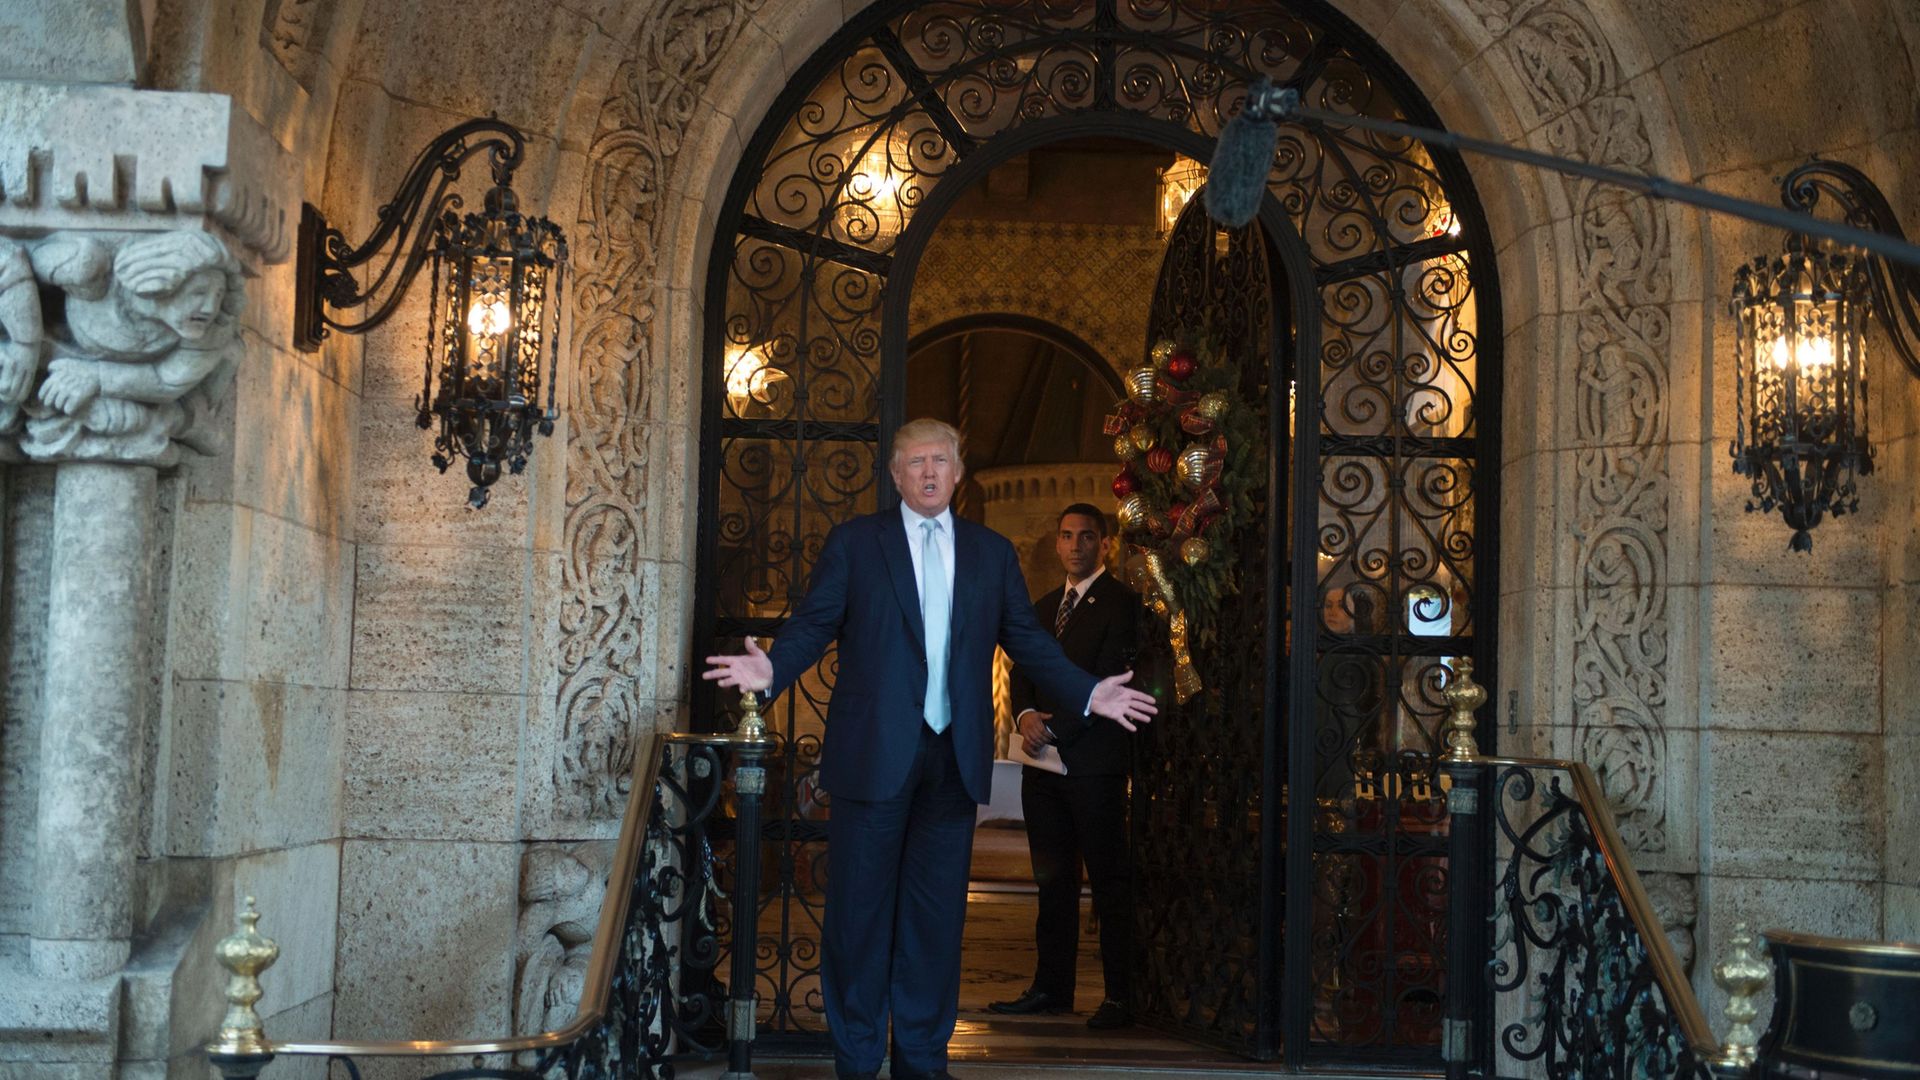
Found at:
[1080, 590]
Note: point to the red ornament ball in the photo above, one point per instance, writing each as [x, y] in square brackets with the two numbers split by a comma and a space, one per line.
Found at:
[1176, 511]
[1159, 459]
[1181, 365]
[1124, 485]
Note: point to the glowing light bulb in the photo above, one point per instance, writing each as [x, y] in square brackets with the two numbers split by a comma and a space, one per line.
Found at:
[743, 372]
[1813, 354]
[489, 319]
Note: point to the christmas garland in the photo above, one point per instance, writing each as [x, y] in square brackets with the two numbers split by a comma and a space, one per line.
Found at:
[1180, 511]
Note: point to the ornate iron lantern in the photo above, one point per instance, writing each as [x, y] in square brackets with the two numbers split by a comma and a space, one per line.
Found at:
[498, 280]
[1801, 384]
[1801, 379]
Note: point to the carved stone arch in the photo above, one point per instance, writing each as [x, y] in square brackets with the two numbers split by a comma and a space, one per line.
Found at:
[1541, 72]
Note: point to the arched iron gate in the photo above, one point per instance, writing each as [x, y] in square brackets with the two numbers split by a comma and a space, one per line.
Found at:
[1384, 298]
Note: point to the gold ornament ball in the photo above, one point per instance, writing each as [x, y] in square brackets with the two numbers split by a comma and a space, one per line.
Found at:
[1162, 350]
[1195, 461]
[1142, 437]
[1133, 511]
[1194, 551]
[1143, 385]
[1213, 406]
[1124, 449]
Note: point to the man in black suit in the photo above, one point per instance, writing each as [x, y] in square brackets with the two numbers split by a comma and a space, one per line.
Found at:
[1081, 814]
[917, 599]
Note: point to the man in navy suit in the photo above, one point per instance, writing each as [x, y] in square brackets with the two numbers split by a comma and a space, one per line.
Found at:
[917, 599]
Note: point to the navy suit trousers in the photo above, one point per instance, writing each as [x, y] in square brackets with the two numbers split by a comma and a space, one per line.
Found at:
[896, 907]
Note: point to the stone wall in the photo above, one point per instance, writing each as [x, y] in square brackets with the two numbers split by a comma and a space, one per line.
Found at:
[399, 723]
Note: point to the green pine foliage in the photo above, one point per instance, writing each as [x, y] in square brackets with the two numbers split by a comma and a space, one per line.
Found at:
[1201, 587]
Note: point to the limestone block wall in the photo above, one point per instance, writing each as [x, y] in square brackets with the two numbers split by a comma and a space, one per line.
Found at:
[401, 724]
[1796, 668]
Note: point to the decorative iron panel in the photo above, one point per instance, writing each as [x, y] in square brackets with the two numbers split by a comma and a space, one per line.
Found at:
[804, 379]
[1200, 797]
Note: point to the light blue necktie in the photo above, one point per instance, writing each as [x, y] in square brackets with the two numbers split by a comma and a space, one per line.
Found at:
[936, 611]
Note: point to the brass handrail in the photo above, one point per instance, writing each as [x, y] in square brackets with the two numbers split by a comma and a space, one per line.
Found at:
[1666, 966]
[606, 936]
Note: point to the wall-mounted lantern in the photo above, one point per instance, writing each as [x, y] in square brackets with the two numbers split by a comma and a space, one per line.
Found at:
[1801, 377]
[497, 291]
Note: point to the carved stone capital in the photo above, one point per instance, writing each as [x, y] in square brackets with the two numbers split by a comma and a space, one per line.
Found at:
[116, 347]
[109, 157]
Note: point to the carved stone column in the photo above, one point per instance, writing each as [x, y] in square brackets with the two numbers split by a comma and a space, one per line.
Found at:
[83, 857]
[121, 297]
[147, 341]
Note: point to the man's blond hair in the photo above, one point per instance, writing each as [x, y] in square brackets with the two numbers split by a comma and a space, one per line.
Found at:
[926, 430]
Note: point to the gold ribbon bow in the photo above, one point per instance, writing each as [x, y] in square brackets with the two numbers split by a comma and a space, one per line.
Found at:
[1186, 681]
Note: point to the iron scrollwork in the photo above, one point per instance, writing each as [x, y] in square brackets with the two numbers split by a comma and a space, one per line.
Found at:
[1392, 346]
[1574, 987]
[666, 1001]
[328, 260]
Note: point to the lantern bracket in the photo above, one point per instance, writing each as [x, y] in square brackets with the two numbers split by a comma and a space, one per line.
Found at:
[324, 274]
[1896, 285]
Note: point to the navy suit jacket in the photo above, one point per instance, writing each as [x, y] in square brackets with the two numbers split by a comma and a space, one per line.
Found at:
[862, 594]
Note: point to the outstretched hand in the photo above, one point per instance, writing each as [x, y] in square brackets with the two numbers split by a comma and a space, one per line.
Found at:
[749, 671]
[1122, 704]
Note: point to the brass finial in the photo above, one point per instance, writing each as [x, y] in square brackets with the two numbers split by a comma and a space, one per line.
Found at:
[1463, 697]
[751, 726]
[245, 954]
[1742, 975]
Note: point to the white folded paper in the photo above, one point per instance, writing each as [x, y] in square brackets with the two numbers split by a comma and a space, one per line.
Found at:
[1048, 758]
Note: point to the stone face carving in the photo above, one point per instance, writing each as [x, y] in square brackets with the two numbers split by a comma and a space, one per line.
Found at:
[141, 345]
[561, 888]
[1676, 900]
[293, 31]
[1620, 404]
[640, 130]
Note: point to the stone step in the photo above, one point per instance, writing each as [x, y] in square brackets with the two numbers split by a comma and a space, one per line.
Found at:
[815, 1069]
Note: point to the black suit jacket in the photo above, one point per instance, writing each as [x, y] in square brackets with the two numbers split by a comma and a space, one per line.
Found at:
[1100, 637]
[862, 594]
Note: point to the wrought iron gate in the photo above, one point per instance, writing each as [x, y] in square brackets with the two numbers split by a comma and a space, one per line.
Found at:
[1379, 571]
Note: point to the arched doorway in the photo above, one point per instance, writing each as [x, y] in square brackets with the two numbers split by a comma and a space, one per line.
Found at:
[1380, 574]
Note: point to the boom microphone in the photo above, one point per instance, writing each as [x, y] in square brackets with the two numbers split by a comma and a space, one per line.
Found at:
[1237, 177]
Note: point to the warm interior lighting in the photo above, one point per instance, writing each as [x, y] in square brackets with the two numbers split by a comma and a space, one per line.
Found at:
[489, 319]
[1179, 182]
[874, 181]
[752, 380]
[1808, 354]
[878, 196]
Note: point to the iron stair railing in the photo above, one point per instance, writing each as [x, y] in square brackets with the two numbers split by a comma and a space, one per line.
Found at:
[1558, 965]
[651, 996]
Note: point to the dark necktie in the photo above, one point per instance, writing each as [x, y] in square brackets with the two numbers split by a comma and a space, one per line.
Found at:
[1066, 609]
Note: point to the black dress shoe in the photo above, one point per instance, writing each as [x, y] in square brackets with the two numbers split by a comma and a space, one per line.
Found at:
[1111, 1014]
[1031, 1002]
[842, 1074]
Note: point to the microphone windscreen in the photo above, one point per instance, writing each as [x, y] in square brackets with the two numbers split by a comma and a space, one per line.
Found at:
[1237, 178]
